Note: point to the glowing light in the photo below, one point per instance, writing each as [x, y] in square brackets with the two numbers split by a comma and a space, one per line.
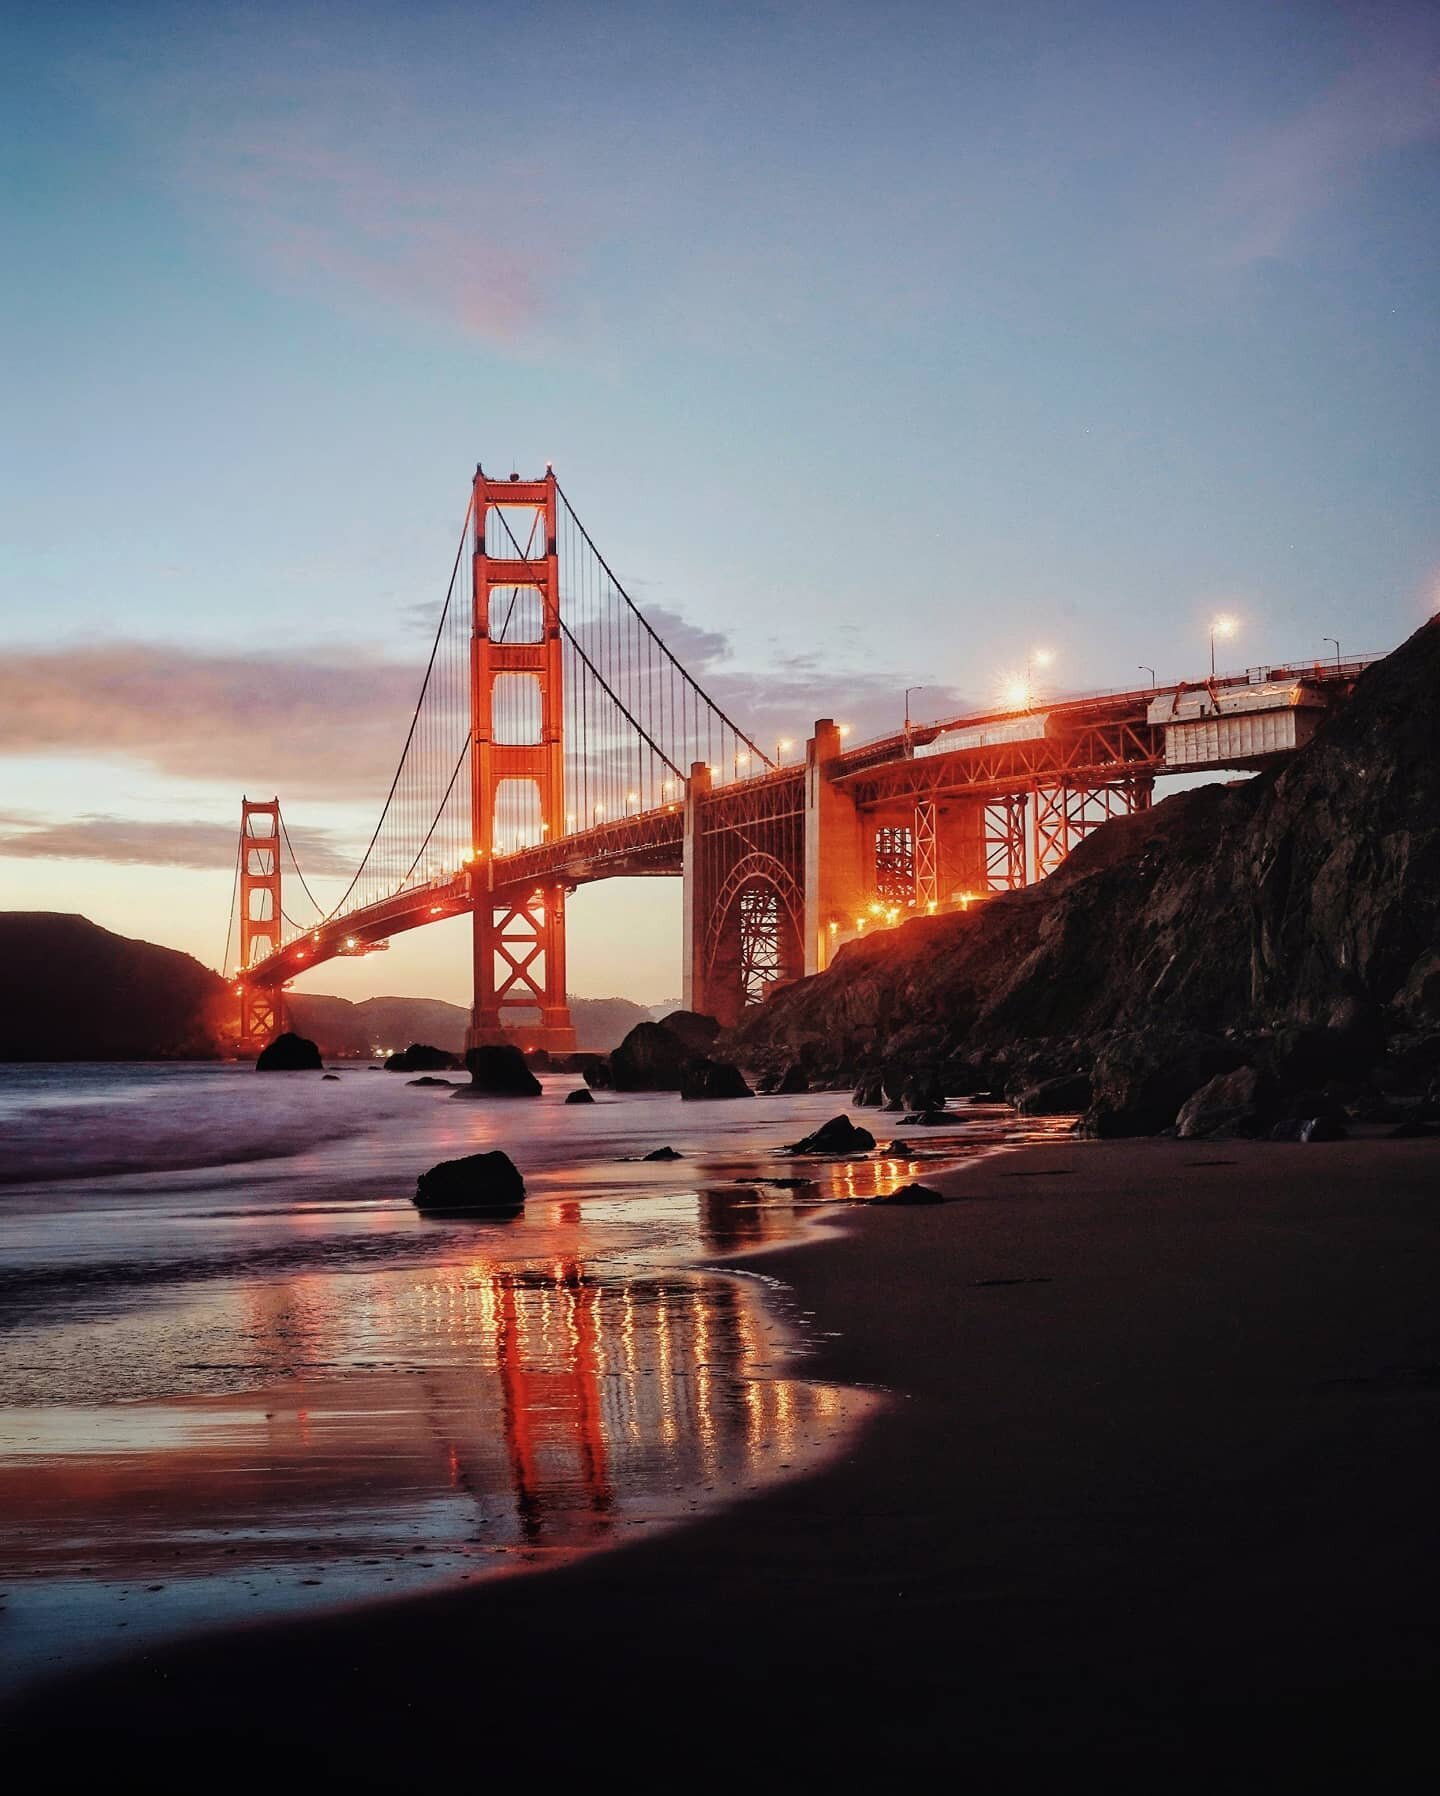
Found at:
[1015, 692]
[1225, 625]
[785, 745]
[876, 908]
[299, 954]
[844, 729]
[599, 810]
[860, 922]
[742, 760]
[1043, 657]
[833, 927]
[349, 941]
[930, 906]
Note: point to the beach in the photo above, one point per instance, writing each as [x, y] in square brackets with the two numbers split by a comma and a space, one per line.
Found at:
[1151, 1495]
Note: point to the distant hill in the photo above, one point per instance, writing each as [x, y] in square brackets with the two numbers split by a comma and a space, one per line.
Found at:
[340, 1027]
[70, 990]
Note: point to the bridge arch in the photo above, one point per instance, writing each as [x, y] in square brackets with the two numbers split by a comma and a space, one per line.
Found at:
[754, 936]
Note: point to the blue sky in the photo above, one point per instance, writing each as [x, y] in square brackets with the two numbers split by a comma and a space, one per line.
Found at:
[874, 345]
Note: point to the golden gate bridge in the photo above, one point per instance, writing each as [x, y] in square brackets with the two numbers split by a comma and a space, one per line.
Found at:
[557, 740]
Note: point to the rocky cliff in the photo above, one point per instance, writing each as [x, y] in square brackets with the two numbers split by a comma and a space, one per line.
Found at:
[70, 990]
[1300, 906]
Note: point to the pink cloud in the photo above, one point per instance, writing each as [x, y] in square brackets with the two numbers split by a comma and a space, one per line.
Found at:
[143, 842]
[1387, 100]
[303, 724]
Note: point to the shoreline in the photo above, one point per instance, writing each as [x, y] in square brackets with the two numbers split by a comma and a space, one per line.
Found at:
[1152, 1492]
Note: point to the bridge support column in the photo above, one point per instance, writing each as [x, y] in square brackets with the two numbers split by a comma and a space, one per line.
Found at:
[517, 759]
[693, 918]
[261, 1007]
[837, 879]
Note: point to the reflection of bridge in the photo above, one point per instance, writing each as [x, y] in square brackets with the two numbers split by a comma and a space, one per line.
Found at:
[557, 740]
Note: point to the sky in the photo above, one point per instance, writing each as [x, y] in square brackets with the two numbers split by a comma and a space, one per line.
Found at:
[876, 346]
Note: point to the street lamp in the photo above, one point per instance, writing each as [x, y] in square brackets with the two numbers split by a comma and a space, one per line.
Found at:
[782, 748]
[1337, 647]
[1142, 668]
[908, 691]
[1224, 626]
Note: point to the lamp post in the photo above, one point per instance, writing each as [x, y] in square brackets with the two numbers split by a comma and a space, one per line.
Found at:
[1142, 668]
[1224, 627]
[1334, 640]
[782, 748]
[908, 691]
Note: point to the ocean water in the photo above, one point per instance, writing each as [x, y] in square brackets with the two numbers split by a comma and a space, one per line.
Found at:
[240, 1375]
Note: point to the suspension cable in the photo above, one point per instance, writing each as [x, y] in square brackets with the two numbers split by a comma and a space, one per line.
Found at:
[658, 638]
[410, 733]
[234, 895]
[295, 863]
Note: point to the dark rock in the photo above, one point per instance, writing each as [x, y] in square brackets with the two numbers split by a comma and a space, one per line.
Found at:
[1242, 1103]
[1140, 1080]
[331, 1078]
[869, 1092]
[420, 1057]
[911, 1194]
[793, 1081]
[480, 1184]
[704, 1078]
[427, 1080]
[499, 1072]
[899, 1147]
[1322, 1128]
[768, 1084]
[651, 1058]
[579, 1096]
[1308, 1128]
[538, 1060]
[662, 1153]
[922, 1091]
[838, 1136]
[695, 1033]
[1063, 1095]
[598, 1075]
[289, 1054]
[927, 1119]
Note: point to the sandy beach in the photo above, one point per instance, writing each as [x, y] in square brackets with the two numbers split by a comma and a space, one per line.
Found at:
[1152, 1496]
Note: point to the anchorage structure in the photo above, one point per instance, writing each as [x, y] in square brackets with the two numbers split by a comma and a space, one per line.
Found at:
[557, 740]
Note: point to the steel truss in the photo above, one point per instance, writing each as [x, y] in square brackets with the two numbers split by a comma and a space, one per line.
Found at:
[1066, 814]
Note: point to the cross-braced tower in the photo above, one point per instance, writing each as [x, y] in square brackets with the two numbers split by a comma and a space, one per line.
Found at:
[517, 762]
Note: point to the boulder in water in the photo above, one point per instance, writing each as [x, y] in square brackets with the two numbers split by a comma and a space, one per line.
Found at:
[498, 1072]
[705, 1078]
[793, 1081]
[694, 1031]
[289, 1053]
[478, 1185]
[838, 1136]
[662, 1153]
[651, 1058]
[420, 1057]
[579, 1096]
[910, 1194]
[428, 1080]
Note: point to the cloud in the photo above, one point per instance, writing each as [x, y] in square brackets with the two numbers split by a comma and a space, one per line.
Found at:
[304, 724]
[137, 842]
[1387, 100]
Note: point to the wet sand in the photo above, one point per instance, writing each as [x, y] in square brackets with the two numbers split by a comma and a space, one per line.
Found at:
[1154, 1497]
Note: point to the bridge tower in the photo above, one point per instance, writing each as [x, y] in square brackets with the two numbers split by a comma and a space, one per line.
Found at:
[261, 1007]
[517, 762]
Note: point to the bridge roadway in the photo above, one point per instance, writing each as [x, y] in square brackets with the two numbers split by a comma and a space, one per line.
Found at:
[850, 837]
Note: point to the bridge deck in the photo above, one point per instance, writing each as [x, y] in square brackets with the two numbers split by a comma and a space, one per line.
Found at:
[1095, 737]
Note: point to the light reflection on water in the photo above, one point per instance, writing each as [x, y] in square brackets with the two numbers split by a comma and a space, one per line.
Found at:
[241, 1387]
